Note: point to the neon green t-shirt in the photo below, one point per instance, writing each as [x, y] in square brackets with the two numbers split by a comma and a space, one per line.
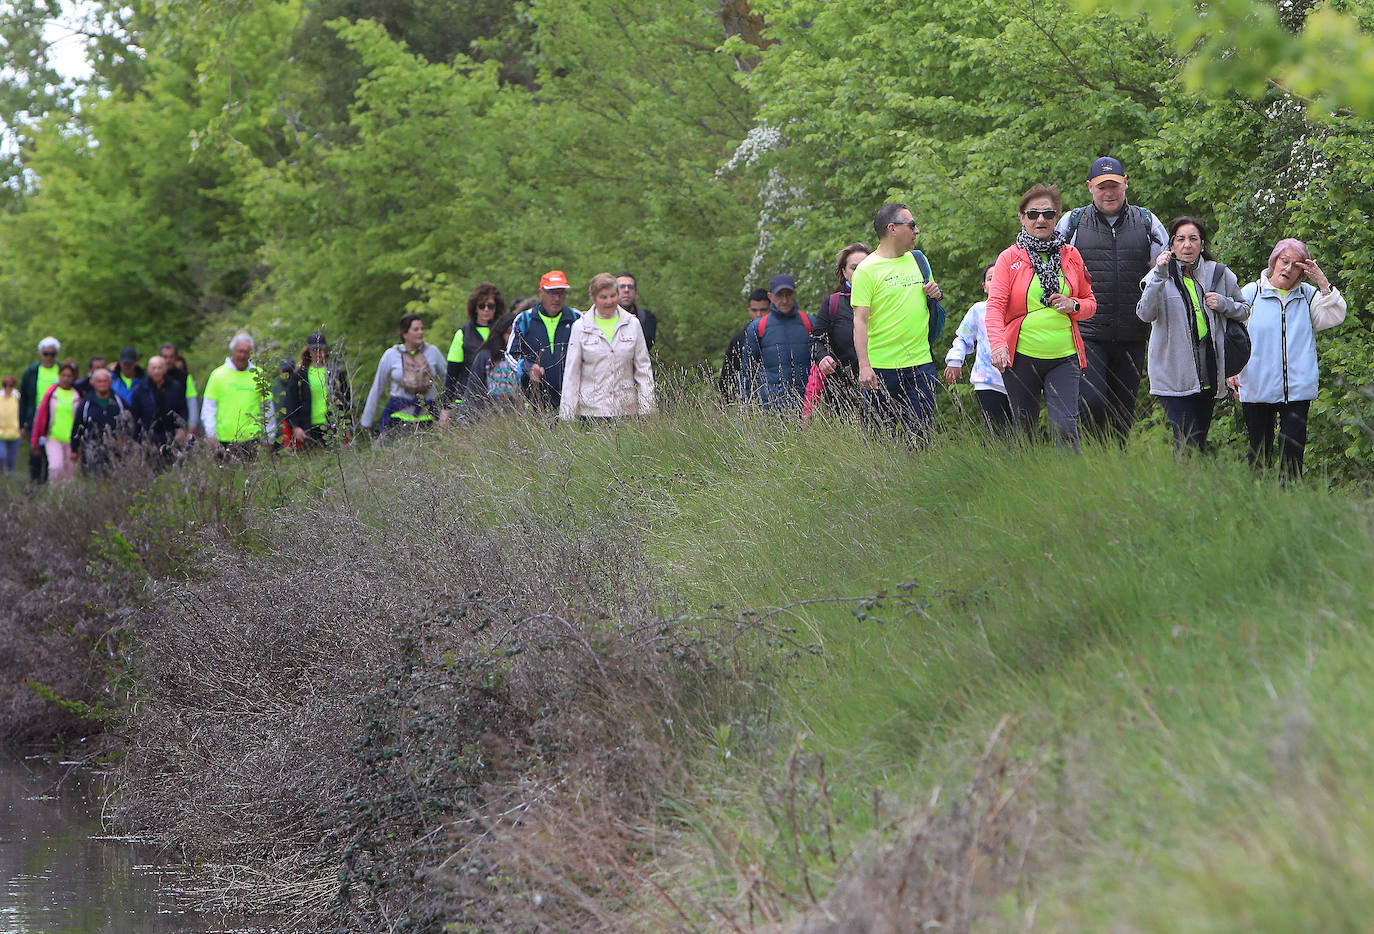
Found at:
[63, 415]
[455, 350]
[607, 325]
[551, 325]
[1045, 333]
[1192, 288]
[239, 403]
[319, 394]
[898, 317]
[47, 376]
[190, 386]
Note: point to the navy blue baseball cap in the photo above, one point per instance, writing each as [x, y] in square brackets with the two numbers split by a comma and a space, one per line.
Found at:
[1106, 168]
[781, 281]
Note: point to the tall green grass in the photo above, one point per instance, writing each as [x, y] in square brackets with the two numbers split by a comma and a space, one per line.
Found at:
[1184, 647]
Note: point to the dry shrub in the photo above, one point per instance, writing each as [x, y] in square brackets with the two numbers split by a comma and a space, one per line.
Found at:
[950, 863]
[397, 724]
[63, 606]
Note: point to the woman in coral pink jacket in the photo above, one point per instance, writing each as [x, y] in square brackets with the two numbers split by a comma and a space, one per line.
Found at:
[1040, 291]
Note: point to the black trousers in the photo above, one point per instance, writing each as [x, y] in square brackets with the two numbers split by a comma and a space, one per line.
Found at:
[1191, 416]
[1030, 378]
[1291, 418]
[996, 410]
[1110, 384]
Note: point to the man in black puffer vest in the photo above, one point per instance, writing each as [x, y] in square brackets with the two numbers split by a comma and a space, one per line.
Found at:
[1119, 242]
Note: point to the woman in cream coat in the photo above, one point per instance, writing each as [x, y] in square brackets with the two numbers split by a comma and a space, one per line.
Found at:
[608, 373]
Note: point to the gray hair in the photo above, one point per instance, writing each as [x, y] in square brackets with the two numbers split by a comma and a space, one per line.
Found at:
[239, 338]
[49, 343]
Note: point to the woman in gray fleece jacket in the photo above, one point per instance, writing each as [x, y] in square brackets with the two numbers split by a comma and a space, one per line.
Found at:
[1186, 298]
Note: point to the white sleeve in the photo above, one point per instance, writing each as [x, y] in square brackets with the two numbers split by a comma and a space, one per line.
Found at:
[208, 409]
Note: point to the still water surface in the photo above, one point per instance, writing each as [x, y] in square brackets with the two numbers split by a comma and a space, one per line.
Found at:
[59, 874]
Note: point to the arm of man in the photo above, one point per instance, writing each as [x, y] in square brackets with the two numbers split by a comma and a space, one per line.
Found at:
[867, 378]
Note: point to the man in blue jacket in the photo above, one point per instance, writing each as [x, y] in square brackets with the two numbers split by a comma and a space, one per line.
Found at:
[777, 351]
[539, 340]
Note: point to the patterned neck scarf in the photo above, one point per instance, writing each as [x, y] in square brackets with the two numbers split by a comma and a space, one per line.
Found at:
[1044, 257]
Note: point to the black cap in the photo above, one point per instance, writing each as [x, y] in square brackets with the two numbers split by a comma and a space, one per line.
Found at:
[286, 365]
[315, 341]
[128, 355]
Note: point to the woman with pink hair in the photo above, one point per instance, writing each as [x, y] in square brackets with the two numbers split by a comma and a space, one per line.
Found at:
[1290, 302]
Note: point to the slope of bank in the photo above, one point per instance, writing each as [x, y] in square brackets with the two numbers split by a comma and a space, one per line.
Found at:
[715, 673]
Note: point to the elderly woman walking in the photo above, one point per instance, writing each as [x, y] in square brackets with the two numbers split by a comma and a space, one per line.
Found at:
[608, 372]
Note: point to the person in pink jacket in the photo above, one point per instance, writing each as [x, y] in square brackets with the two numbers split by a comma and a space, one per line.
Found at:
[53, 422]
[1040, 291]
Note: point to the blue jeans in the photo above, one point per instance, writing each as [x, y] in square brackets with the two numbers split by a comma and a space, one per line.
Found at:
[905, 397]
[9, 454]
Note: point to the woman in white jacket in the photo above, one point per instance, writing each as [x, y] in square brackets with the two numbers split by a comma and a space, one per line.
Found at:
[1279, 382]
[608, 373]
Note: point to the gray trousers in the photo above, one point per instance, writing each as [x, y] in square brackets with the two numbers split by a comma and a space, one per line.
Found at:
[1030, 378]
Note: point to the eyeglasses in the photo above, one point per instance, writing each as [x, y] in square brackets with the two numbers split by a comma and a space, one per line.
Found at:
[486, 304]
[1048, 215]
[48, 353]
[911, 224]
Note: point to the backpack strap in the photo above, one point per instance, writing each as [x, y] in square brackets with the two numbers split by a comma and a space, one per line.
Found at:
[834, 305]
[762, 323]
[922, 264]
[1075, 218]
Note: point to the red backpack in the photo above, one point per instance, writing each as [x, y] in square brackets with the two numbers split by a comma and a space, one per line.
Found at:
[806, 320]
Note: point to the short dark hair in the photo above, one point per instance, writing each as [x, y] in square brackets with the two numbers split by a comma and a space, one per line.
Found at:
[628, 275]
[758, 295]
[1178, 222]
[90, 364]
[1041, 191]
[984, 273]
[408, 320]
[887, 214]
[68, 364]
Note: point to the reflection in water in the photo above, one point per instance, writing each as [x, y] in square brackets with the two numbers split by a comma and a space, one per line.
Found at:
[58, 875]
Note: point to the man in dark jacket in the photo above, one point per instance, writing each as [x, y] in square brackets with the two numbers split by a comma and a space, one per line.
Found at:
[628, 288]
[539, 340]
[83, 385]
[159, 412]
[1119, 243]
[102, 424]
[777, 352]
[127, 374]
[734, 353]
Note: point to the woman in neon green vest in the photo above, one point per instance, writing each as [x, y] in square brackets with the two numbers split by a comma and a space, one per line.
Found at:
[53, 421]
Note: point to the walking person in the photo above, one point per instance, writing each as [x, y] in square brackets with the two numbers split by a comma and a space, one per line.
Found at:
[776, 358]
[409, 377]
[494, 376]
[628, 287]
[37, 379]
[1118, 242]
[236, 407]
[319, 402]
[608, 374]
[892, 328]
[53, 422]
[1039, 292]
[1290, 302]
[832, 337]
[1186, 300]
[161, 416]
[126, 374]
[728, 381]
[540, 341]
[485, 305]
[9, 425]
[103, 426]
[988, 387]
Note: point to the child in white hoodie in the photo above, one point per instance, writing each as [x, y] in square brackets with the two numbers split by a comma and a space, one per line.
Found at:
[987, 380]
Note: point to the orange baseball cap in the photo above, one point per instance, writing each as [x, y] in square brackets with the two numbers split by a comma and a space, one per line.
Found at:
[553, 279]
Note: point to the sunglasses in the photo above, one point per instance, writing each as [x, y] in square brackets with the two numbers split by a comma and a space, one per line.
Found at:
[1048, 215]
[486, 304]
[911, 224]
[48, 353]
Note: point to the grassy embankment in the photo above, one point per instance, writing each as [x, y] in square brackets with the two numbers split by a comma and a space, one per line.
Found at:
[1186, 651]
[1016, 688]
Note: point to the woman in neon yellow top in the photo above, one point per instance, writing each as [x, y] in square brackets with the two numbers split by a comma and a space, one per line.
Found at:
[52, 424]
[1186, 300]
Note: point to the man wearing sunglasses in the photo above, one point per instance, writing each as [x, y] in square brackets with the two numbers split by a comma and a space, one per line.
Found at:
[35, 382]
[892, 328]
[1118, 242]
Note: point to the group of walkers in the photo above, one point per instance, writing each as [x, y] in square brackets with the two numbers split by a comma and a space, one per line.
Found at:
[1075, 309]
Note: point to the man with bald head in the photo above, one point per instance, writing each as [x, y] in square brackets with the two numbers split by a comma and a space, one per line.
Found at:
[160, 413]
[102, 425]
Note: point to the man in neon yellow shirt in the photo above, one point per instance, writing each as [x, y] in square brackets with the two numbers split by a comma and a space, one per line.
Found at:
[235, 405]
[892, 328]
